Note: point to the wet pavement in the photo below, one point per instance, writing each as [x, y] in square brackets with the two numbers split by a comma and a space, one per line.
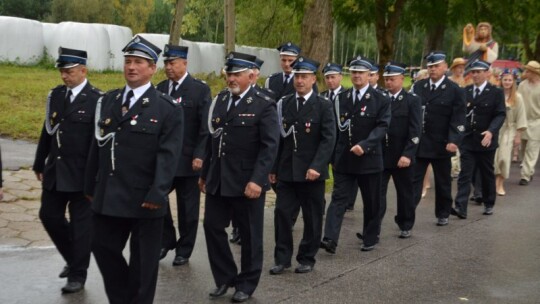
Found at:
[483, 259]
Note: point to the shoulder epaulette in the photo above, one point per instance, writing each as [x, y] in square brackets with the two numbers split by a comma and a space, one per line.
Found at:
[277, 73]
[263, 96]
[199, 80]
[167, 98]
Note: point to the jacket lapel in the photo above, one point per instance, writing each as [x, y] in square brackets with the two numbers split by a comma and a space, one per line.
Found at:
[79, 100]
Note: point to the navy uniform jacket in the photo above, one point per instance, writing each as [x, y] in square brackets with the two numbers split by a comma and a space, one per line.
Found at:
[275, 83]
[194, 97]
[265, 91]
[327, 93]
[63, 164]
[315, 134]
[369, 119]
[145, 155]
[485, 113]
[444, 117]
[405, 129]
[247, 148]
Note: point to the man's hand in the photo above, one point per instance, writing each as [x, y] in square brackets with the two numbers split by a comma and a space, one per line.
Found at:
[483, 47]
[312, 175]
[450, 147]
[39, 176]
[486, 141]
[404, 162]
[202, 185]
[196, 164]
[272, 178]
[151, 206]
[357, 150]
[252, 190]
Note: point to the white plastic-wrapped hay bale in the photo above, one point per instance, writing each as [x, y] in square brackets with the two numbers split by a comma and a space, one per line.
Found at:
[205, 57]
[92, 38]
[21, 40]
[48, 33]
[119, 36]
[270, 57]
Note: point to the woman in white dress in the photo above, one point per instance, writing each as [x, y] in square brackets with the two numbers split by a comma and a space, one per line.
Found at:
[510, 133]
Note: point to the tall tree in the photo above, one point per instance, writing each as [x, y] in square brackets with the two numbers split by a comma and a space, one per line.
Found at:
[176, 24]
[317, 27]
[384, 13]
[30, 9]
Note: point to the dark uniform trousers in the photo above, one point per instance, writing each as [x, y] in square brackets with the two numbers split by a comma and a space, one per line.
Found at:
[249, 214]
[133, 282]
[146, 154]
[188, 199]
[370, 188]
[486, 113]
[194, 97]
[243, 153]
[309, 147]
[443, 123]
[402, 140]
[73, 238]
[354, 190]
[369, 119]
[63, 167]
[291, 196]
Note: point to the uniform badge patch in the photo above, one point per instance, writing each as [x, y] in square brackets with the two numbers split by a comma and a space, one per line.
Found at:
[461, 128]
[415, 140]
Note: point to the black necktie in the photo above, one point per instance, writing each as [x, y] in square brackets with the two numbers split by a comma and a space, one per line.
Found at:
[67, 100]
[392, 98]
[300, 103]
[358, 97]
[476, 92]
[127, 102]
[173, 90]
[433, 87]
[235, 98]
[286, 79]
[332, 96]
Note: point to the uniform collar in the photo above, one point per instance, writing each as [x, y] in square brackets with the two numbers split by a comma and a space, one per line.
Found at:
[76, 90]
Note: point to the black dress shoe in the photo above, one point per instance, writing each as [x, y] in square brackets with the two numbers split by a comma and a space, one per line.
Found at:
[180, 260]
[65, 272]
[278, 269]
[73, 287]
[235, 236]
[303, 268]
[458, 213]
[367, 247]
[240, 296]
[523, 182]
[219, 291]
[329, 245]
[163, 253]
[359, 236]
[404, 234]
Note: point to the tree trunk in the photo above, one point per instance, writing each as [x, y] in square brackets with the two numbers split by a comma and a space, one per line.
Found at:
[176, 24]
[386, 21]
[317, 30]
[537, 48]
[230, 26]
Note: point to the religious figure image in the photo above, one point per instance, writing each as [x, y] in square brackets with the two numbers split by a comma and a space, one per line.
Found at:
[479, 44]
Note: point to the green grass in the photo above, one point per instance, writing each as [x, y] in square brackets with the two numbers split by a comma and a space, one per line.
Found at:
[24, 90]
